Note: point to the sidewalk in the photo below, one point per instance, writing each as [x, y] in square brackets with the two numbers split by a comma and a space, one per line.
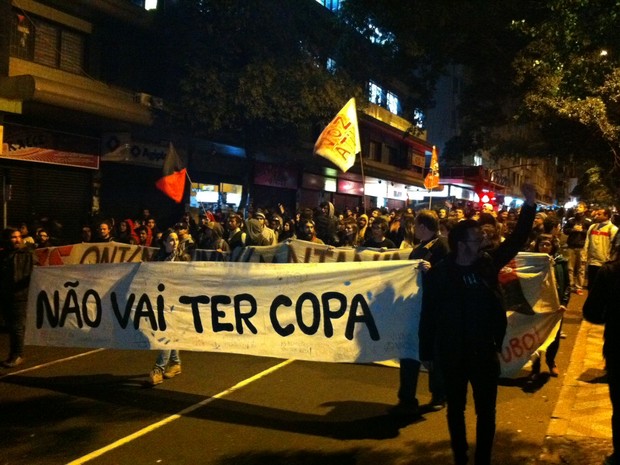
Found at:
[580, 428]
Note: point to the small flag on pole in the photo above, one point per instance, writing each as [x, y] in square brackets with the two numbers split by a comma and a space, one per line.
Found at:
[340, 140]
[431, 180]
[172, 183]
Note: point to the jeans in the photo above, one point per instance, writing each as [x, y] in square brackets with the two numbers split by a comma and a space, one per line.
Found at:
[166, 356]
[576, 268]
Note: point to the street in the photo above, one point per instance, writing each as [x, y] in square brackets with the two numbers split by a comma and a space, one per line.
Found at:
[93, 406]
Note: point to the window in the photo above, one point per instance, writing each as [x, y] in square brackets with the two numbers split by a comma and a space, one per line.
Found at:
[394, 157]
[47, 43]
[375, 93]
[392, 103]
[477, 160]
[331, 65]
[333, 5]
[383, 98]
[374, 151]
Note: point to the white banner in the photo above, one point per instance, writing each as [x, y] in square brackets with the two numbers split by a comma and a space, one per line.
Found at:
[345, 312]
[529, 286]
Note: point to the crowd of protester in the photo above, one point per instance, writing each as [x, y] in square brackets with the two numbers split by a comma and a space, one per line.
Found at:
[351, 227]
[451, 241]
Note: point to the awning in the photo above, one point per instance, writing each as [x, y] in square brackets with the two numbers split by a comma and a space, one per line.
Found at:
[53, 157]
[96, 100]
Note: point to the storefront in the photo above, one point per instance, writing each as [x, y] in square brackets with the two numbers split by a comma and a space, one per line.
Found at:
[48, 179]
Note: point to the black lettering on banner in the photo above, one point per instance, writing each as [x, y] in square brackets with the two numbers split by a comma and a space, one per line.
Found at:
[71, 306]
[124, 318]
[292, 256]
[44, 308]
[161, 319]
[91, 250]
[194, 301]
[316, 313]
[365, 318]
[216, 314]
[57, 317]
[105, 256]
[330, 315]
[139, 251]
[281, 300]
[123, 250]
[240, 317]
[93, 323]
[144, 308]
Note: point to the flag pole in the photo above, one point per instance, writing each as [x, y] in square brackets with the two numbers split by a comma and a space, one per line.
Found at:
[363, 183]
[190, 191]
[430, 199]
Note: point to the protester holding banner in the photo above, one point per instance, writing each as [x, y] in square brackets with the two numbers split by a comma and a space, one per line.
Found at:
[16, 263]
[546, 243]
[168, 363]
[431, 249]
[463, 324]
[307, 231]
[104, 231]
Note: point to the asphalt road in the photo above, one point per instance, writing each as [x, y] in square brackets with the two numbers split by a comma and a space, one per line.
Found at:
[92, 406]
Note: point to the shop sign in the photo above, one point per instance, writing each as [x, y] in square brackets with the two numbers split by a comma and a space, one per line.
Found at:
[120, 148]
[39, 145]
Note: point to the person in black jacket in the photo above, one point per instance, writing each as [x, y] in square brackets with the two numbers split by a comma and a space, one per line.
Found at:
[431, 249]
[16, 262]
[463, 324]
[602, 307]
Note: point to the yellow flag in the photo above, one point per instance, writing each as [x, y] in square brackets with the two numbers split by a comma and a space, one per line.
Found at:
[340, 140]
[432, 178]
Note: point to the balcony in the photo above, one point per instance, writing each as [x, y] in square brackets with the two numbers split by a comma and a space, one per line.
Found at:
[31, 82]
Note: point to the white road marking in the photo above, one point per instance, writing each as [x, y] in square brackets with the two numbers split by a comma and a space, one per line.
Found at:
[49, 364]
[176, 416]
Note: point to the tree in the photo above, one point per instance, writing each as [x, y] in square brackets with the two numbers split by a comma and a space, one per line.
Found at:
[250, 72]
[570, 76]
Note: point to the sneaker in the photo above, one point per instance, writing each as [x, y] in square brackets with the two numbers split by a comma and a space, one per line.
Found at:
[156, 376]
[405, 409]
[437, 405]
[553, 371]
[172, 370]
[13, 361]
